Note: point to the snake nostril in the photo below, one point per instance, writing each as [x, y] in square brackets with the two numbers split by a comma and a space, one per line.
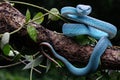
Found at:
[89, 9]
[83, 9]
[80, 8]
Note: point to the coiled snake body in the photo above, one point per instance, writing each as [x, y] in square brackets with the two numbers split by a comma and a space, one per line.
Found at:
[86, 26]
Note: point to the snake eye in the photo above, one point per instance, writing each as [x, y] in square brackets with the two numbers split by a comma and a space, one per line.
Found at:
[80, 8]
[83, 9]
[88, 9]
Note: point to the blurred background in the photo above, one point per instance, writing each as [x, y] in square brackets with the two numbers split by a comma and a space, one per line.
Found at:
[106, 10]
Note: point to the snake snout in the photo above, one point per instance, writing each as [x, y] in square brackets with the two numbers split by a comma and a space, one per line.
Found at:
[83, 9]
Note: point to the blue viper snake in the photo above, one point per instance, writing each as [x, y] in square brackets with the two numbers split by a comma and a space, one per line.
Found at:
[86, 25]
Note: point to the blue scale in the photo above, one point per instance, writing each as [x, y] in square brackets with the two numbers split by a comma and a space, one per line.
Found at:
[86, 25]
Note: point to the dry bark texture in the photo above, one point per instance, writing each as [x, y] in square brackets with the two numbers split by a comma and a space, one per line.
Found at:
[66, 47]
[11, 19]
[9, 16]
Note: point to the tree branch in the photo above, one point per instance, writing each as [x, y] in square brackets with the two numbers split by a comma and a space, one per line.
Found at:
[74, 52]
[64, 45]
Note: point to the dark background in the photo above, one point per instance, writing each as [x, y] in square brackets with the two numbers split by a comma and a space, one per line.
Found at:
[106, 10]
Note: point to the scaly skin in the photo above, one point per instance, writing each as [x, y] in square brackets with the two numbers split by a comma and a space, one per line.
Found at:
[93, 62]
[73, 14]
[96, 28]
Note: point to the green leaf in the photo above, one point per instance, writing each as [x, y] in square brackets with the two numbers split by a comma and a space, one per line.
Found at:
[53, 17]
[6, 49]
[5, 39]
[82, 39]
[32, 32]
[48, 64]
[29, 57]
[38, 18]
[34, 63]
[28, 15]
[17, 57]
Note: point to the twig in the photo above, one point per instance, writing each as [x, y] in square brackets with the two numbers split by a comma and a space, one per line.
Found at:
[11, 65]
[33, 68]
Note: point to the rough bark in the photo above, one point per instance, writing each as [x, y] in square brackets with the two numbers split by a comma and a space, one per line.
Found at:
[74, 52]
[64, 45]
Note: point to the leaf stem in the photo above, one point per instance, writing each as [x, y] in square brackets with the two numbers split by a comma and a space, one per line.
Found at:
[37, 18]
[10, 65]
[51, 59]
[19, 2]
[31, 71]
[13, 31]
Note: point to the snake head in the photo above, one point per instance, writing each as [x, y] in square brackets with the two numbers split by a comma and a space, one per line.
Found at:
[83, 9]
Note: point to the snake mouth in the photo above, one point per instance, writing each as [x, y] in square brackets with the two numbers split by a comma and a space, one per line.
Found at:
[83, 9]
